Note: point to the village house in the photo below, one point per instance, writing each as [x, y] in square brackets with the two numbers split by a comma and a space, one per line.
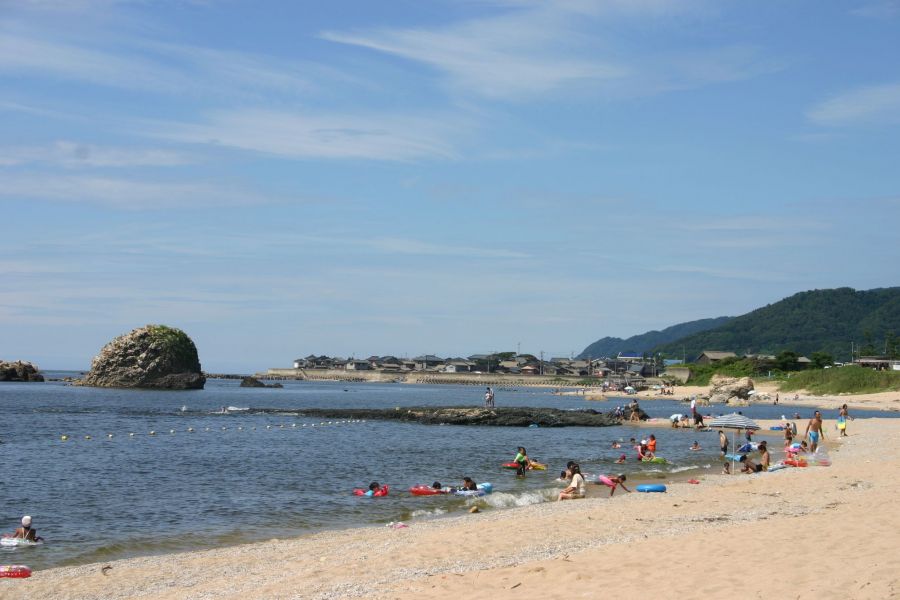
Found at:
[708, 357]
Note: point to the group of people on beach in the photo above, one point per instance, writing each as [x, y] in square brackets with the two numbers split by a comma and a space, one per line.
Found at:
[576, 483]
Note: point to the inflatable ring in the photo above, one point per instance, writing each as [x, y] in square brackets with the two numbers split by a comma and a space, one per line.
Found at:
[14, 571]
[648, 487]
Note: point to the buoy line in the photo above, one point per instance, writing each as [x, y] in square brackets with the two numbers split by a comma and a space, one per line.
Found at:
[269, 427]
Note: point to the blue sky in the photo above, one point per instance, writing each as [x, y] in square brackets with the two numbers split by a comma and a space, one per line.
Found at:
[404, 177]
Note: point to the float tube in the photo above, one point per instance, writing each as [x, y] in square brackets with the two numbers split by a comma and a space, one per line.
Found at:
[370, 494]
[536, 466]
[655, 459]
[14, 571]
[511, 465]
[796, 463]
[11, 541]
[483, 488]
[651, 487]
[426, 490]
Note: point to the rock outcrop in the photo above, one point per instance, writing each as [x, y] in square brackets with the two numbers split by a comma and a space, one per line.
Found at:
[730, 390]
[461, 415]
[152, 357]
[256, 383]
[19, 371]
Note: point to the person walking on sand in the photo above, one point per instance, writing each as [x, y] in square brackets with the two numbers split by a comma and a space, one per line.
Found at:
[843, 415]
[814, 431]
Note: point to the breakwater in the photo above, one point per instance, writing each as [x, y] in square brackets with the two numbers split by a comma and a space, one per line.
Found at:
[423, 377]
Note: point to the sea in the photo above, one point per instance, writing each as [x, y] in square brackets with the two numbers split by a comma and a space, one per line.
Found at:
[151, 472]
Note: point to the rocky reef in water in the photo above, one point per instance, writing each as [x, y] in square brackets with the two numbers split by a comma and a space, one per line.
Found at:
[151, 357]
[19, 371]
[253, 382]
[465, 415]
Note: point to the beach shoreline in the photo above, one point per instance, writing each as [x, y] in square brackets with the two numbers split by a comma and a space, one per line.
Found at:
[539, 547]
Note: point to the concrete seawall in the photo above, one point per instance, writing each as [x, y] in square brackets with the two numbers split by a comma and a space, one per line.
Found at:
[481, 379]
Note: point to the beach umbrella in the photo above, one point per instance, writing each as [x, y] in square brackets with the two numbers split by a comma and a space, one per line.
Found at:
[734, 422]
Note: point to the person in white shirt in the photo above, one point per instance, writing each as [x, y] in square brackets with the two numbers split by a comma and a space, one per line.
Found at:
[576, 486]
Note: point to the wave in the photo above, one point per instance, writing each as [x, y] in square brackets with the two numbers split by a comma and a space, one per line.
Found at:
[507, 500]
[422, 512]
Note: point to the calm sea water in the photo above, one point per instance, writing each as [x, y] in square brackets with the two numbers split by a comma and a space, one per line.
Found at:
[241, 478]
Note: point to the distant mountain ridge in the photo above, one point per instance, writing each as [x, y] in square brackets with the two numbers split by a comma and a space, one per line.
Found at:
[645, 342]
[812, 321]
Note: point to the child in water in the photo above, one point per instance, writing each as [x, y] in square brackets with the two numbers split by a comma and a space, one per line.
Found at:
[469, 485]
[696, 446]
[621, 460]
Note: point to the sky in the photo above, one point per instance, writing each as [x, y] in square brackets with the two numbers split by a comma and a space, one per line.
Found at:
[448, 177]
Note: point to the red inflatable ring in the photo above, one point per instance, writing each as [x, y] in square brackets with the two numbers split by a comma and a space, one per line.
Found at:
[14, 571]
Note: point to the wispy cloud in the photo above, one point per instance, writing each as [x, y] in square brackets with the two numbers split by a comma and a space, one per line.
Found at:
[125, 193]
[152, 66]
[536, 48]
[871, 104]
[300, 134]
[73, 155]
[416, 247]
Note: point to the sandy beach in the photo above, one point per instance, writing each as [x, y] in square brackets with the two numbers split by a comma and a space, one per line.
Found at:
[800, 398]
[806, 533]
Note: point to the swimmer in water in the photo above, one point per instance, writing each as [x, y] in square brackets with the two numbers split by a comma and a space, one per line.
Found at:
[621, 460]
[696, 445]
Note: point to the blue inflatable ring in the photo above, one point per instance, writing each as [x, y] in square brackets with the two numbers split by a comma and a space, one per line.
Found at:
[651, 488]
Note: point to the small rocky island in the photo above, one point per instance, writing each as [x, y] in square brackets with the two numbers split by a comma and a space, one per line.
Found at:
[19, 371]
[465, 415]
[253, 382]
[151, 357]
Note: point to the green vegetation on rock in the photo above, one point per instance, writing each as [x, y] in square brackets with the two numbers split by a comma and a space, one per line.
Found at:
[843, 380]
[178, 344]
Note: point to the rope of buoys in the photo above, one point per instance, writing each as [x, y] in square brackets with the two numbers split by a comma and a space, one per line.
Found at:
[66, 437]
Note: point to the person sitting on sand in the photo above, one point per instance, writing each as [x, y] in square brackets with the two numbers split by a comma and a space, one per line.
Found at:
[749, 466]
[726, 468]
[613, 482]
[469, 485]
[764, 457]
[26, 531]
[696, 446]
[575, 488]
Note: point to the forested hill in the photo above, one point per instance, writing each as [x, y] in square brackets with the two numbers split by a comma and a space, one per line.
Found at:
[818, 320]
[611, 346]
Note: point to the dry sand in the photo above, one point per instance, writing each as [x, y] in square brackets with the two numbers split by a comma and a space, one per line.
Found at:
[801, 398]
[818, 532]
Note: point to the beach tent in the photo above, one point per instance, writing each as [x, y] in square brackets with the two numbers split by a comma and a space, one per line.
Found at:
[734, 422]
